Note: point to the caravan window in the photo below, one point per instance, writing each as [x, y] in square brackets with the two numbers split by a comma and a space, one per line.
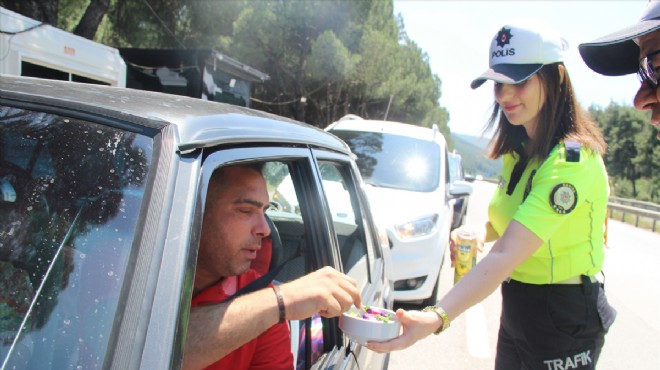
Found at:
[34, 70]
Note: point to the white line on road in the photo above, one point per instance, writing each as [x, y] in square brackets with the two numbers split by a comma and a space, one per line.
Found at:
[477, 332]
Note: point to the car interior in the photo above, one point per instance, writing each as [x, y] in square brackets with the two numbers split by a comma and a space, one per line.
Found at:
[287, 249]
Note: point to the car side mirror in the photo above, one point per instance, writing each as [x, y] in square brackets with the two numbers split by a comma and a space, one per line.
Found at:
[459, 189]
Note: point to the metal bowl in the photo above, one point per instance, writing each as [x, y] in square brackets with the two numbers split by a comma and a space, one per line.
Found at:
[363, 328]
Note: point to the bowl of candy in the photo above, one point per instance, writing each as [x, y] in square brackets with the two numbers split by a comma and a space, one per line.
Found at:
[371, 324]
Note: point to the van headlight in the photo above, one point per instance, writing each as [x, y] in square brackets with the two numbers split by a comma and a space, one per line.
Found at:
[420, 227]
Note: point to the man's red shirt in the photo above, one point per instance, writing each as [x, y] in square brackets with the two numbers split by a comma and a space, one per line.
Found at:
[269, 351]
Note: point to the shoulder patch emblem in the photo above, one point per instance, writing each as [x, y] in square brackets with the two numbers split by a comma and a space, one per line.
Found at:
[563, 198]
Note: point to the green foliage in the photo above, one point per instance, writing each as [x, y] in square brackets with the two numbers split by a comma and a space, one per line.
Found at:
[633, 155]
[326, 58]
[647, 190]
[293, 40]
[69, 13]
[335, 57]
[329, 61]
[474, 156]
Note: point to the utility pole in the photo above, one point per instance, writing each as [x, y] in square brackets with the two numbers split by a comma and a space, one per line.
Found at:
[387, 111]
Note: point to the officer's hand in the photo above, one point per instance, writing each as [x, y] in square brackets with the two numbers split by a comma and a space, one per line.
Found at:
[415, 325]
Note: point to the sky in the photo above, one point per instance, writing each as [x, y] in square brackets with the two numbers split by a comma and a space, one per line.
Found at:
[456, 36]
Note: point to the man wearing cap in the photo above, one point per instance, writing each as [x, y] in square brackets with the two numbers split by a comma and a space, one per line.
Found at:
[635, 49]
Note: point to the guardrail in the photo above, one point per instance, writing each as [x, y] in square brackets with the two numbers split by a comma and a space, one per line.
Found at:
[634, 207]
[635, 203]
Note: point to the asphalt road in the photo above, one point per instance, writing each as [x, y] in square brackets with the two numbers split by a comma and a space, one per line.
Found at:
[632, 285]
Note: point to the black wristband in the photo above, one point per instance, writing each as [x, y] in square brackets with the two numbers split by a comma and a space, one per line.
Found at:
[280, 303]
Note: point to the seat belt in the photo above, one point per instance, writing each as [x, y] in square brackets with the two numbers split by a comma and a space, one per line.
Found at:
[262, 281]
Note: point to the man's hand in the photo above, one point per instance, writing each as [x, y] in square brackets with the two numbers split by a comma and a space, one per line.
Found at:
[325, 291]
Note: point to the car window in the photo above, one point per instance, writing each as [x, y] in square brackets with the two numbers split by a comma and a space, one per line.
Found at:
[307, 343]
[293, 245]
[288, 220]
[348, 228]
[395, 161]
[70, 199]
[300, 223]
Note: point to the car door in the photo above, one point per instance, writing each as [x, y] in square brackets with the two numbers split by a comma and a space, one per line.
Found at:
[360, 253]
[317, 208]
[301, 225]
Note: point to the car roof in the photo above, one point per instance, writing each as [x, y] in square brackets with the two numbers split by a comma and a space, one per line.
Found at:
[199, 123]
[389, 127]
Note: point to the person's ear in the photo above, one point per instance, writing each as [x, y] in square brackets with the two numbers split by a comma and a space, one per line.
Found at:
[562, 72]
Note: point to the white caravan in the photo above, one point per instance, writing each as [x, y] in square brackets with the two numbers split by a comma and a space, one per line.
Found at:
[32, 48]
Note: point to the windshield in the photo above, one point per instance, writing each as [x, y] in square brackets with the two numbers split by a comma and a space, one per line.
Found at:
[395, 161]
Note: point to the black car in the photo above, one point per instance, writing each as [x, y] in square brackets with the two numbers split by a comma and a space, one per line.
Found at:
[458, 178]
[102, 196]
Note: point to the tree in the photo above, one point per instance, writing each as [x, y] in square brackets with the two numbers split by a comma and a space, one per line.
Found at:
[330, 66]
[288, 40]
[92, 18]
[49, 11]
[326, 58]
[147, 24]
[648, 158]
[633, 153]
[45, 11]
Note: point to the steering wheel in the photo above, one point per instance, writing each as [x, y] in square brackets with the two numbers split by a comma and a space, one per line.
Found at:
[18, 186]
[274, 205]
[13, 180]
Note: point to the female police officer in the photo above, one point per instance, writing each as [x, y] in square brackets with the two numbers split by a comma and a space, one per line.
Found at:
[547, 216]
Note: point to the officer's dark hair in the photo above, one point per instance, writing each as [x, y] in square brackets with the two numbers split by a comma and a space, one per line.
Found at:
[561, 117]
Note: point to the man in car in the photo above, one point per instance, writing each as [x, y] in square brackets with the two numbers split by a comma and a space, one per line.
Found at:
[250, 331]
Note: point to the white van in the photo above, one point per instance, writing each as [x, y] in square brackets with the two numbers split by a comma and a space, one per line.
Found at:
[407, 183]
[31, 48]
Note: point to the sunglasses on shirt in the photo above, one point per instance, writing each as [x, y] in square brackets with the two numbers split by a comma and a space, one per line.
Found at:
[647, 72]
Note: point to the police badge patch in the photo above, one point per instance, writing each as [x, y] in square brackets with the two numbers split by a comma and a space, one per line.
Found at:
[563, 198]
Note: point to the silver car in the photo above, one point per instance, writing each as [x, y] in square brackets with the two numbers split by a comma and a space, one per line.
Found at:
[102, 192]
